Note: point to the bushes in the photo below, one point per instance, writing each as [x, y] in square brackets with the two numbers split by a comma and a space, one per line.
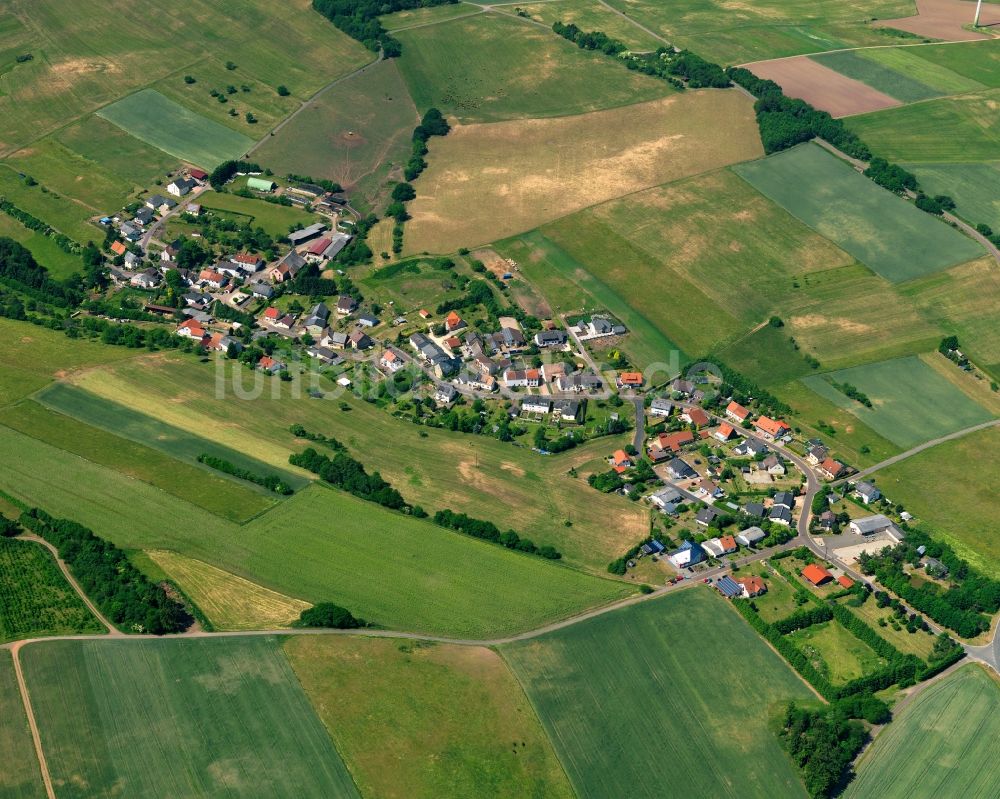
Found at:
[891, 176]
[20, 270]
[227, 170]
[330, 616]
[807, 617]
[478, 528]
[359, 20]
[348, 474]
[299, 431]
[270, 481]
[122, 592]
[823, 743]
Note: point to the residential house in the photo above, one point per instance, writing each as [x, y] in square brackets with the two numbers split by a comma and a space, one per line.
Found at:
[751, 447]
[816, 574]
[392, 360]
[661, 407]
[780, 515]
[773, 465]
[132, 260]
[270, 315]
[706, 516]
[346, 305]
[679, 469]
[816, 454]
[143, 216]
[181, 186]
[827, 521]
[248, 262]
[317, 320]
[567, 410]
[652, 547]
[220, 342]
[630, 380]
[286, 322]
[119, 247]
[728, 587]
[169, 253]
[324, 354]
[146, 279]
[620, 461]
[867, 492]
[192, 329]
[695, 416]
[831, 469]
[737, 412]
[366, 320]
[667, 499]
[195, 299]
[445, 394]
[771, 429]
[784, 499]
[360, 340]
[287, 267]
[212, 278]
[751, 536]
[752, 586]
[724, 432]
[453, 322]
[686, 555]
[130, 232]
[707, 489]
[334, 340]
[553, 371]
[270, 365]
[674, 441]
[261, 290]
[550, 338]
[755, 509]
[723, 545]
[155, 202]
[530, 378]
[577, 383]
[532, 404]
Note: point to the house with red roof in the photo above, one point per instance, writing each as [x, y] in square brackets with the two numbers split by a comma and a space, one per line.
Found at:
[845, 581]
[630, 380]
[270, 365]
[253, 262]
[453, 322]
[212, 278]
[771, 429]
[674, 441]
[737, 412]
[816, 574]
[695, 416]
[191, 328]
[272, 314]
[831, 469]
[752, 586]
[119, 248]
[725, 432]
[197, 174]
[620, 461]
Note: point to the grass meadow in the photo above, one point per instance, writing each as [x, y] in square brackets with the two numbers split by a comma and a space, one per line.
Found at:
[179, 718]
[357, 133]
[538, 170]
[491, 67]
[416, 17]
[20, 777]
[35, 599]
[884, 232]
[63, 213]
[971, 185]
[60, 263]
[427, 720]
[978, 61]
[919, 643]
[277, 220]
[609, 688]
[911, 402]
[163, 123]
[941, 744]
[591, 15]
[835, 652]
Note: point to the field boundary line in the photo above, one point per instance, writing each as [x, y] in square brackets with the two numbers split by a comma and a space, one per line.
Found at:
[480, 9]
[36, 737]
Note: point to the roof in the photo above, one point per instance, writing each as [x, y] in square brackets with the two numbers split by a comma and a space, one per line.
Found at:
[845, 581]
[728, 587]
[816, 574]
[753, 584]
[631, 378]
[737, 410]
[728, 542]
[452, 318]
[872, 524]
[310, 232]
[318, 247]
[119, 248]
[697, 416]
[725, 430]
[673, 441]
[620, 457]
[752, 534]
[246, 258]
[774, 427]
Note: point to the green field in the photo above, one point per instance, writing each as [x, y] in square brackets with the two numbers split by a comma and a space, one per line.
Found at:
[964, 512]
[60, 263]
[943, 744]
[488, 67]
[978, 61]
[179, 718]
[35, 599]
[357, 133]
[835, 653]
[415, 285]
[453, 717]
[276, 220]
[912, 403]
[881, 230]
[591, 15]
[161, 122]
[20, 777]
[61, 212]
[230, 498]
[972, 186]
[415, 17]
[684, 675]
[964, 129]
[897, 73]
[731, 33]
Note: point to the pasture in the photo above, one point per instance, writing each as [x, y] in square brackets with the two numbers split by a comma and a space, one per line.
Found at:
[228, 497]
[430, 15]
[169, 396]
[883, 231]
[963, 129]
[63, 213]
[20, 777]
[161, 122]
[491, 67]
[106, 50]
[453, 718]
[964, 513]
[591, 15]
[977, 61]
[182, 718]
[835, 653]
[736, 33]
[411, 285]
[941, 744]
[541, 169]
[276, 220]
[229, 602]
[60, 263]
[971, 185]
[911, 402]
[608, 687]
[356, 133]
[35, 599]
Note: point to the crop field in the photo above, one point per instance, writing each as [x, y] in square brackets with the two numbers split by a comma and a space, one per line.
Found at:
[972, 186]
[35, 599]
[942, 744]
[949, 20]
[357, 133]
[168, 396]
[60, 264]
[978, 61]
[605, 688]
[541, 169]
[490, 67]
[161, 122]
[277, 220]
[229, 602]
[911, 402]
[227, 497]
[959, 129]
[453, 718]
[881, 230]
[835, 653]
[416, 17]
[179, 718]
[963, 514]
[106, 50]
[590, 15]
[20, 777]
[735, 34]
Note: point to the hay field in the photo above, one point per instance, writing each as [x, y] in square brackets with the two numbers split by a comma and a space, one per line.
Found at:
[608, 688]
[487, 182]
[591, 15]
[490, 67]
[978, 61]
[943, 19]
[881, 230]
[427, 720]
[179, 718]
[942, 744]
[972, 186]
[20, 778]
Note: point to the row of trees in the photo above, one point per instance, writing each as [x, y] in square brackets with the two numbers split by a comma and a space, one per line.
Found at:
[299, 431]
[227, 170]
[65, 243]
[269, 481]
[348, 474]
[478, 528]
[359, 19]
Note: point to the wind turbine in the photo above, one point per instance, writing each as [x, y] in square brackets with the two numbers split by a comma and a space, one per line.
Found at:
[979, 6]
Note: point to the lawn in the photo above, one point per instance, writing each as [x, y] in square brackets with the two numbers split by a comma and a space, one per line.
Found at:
[951, 491]
[779, 601]
[591, 15]
[737, 33]
[683, 674]
[35, 599]
[835, 652]
[964, 129]
[179, 718]
[538, 170]
[230, 498]
[357, 133]
[912, 403]
[161, 122]
[229, 602]
[423, 720]
[490, 67]
[972, 186]
[943, 744]
[20, 777]
[881, 230]
[276, 220]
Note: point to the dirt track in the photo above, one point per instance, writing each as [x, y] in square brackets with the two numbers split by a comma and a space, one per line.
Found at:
[830, 91]
[943, 19]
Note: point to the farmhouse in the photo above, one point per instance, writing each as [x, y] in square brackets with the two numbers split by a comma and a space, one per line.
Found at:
[314, 250]
[752, 586]
[661, 407]
[679, 469]
[750, 536]
[724, 432]
[181, 186]
[737, 412]
[687, 554]
[771, 429]
[287, 268]
[816, 574]
[867, 492]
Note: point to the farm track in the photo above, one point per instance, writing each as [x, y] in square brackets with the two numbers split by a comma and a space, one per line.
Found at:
[29, 712]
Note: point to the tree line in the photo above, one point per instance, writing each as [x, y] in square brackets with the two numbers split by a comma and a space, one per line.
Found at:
[346, 473]
[359, 19]
[478, 528]
[269, 481]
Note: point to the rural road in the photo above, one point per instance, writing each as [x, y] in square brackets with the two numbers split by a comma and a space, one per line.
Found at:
[640, 423]
[151, 232]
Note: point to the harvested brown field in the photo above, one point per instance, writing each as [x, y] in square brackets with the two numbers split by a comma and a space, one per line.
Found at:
[489, 181]
[826, 89]
[943, 19]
